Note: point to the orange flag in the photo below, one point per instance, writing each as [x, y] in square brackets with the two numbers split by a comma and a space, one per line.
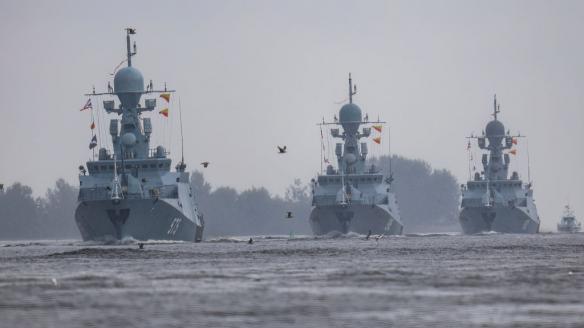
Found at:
[165, 96]
[164, 112]
[92, 126]
[377, 140]
[378, 127]
[513, 151]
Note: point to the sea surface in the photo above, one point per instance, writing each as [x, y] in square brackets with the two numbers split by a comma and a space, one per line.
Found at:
[441, 280]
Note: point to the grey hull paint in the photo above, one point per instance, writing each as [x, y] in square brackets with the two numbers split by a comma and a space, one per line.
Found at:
[142, 219]
[355, 218]
[499, 219]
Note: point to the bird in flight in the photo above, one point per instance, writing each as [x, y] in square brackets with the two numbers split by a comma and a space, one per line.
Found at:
[281, 150]
[289, 215]
[205, 164]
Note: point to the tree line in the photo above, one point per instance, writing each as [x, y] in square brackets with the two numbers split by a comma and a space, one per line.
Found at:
[428, 201]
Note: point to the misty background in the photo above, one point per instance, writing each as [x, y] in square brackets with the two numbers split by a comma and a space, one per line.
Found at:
[253, 74]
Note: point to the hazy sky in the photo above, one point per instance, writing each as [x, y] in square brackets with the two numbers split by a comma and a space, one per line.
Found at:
[253, 74]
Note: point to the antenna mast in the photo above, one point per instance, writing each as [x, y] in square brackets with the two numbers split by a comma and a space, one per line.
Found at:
[389, 148]
[321, 150]
[129, 31]
[496, 107]
[352, 90]
[528, 164]
[469, 164]
[182, 146]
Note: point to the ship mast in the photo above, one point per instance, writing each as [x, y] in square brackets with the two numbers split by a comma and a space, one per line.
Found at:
[496, 107]
[352, 90]
[130, 31]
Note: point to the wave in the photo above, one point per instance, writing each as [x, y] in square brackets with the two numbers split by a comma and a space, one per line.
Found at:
[227, 240]
[32, 243]
[110, 253]
[340, 235]
[432, 234]
[487, 233]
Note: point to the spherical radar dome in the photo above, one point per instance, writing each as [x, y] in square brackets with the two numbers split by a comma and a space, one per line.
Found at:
[350, 113]
[350, 158]
[128, 79]
[129, 139]
[495, 128]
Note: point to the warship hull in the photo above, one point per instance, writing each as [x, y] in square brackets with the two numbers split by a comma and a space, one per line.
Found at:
[504, 220]
[141, 219]
[360, 219]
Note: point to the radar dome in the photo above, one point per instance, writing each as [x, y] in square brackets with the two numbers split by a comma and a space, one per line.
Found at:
[129, 85]
[495, 128]
[350, 113]
[350, 117]
[129, 139]
[128, 79]
[350, 158]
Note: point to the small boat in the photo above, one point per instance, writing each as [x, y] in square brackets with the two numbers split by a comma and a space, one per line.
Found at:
[568, 222]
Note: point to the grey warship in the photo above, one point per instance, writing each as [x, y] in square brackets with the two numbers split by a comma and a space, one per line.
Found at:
[132, 192]
[354, 197]
[493, 201]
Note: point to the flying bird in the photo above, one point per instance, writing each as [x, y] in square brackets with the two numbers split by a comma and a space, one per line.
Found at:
[281, 150]
[289, 215]
[205, 164]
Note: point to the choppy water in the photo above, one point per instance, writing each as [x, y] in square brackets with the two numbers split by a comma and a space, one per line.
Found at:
[347, 281]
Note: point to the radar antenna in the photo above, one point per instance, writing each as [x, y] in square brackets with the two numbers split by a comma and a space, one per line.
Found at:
[352, 89]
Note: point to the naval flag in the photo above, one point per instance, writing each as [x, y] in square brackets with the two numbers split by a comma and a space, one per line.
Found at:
[165, 96]
[87, 105]
[93, 142]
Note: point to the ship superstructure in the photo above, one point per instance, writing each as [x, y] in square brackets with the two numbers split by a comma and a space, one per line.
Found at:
[132, 191]
[493, 200]
[353, 197]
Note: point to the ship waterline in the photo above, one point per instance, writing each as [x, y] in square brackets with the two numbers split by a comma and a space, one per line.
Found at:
[361, 219]
[501, 219]
[141, 219]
